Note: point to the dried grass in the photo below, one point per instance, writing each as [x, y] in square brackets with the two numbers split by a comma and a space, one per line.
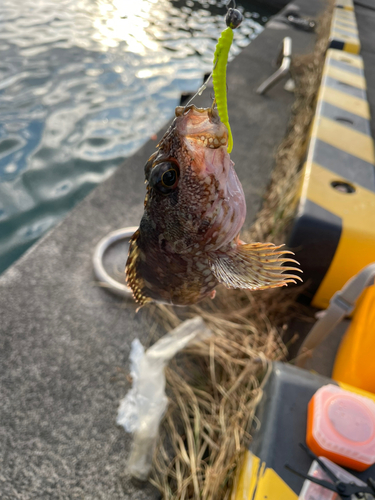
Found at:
[214, 386]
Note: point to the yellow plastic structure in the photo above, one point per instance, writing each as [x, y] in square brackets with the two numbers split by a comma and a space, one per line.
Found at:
[256, 481]
[333, 235]
[354, 362]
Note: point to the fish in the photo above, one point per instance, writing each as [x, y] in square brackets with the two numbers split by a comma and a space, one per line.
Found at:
[188, 239]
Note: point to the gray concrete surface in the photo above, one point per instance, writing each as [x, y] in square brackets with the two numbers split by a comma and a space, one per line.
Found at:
[65, 341]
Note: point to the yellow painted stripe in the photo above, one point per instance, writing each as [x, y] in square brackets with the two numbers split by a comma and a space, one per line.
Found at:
[344, 19]
[346, 38]
[345, 138]
[352, 47]
[356, 247]
[338, 16]
[348, 102]
[344, 14]
[345, 4]
[346, 7]
[257, 482]
[352, 23]
[345, 77]
[338, 55]
[350, 29]
[344, 24]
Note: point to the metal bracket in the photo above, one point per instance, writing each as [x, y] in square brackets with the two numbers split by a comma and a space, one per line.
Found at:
[284, 69]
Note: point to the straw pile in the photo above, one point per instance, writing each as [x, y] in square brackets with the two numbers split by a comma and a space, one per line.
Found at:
[213, 389]
[215, 386]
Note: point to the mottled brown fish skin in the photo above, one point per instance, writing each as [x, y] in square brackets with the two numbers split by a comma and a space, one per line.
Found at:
[187, 241]
[166, 261]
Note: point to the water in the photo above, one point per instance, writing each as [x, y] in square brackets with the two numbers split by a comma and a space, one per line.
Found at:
[83, 84]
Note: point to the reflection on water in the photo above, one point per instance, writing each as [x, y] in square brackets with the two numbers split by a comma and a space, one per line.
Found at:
[83, 84]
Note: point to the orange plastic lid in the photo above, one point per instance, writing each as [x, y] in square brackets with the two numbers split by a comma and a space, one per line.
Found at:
[341, 427]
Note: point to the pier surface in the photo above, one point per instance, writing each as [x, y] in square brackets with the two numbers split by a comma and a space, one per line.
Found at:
[65, 341]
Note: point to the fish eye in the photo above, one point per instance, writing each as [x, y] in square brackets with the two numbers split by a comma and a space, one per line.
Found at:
[164, 176]
[169, 178]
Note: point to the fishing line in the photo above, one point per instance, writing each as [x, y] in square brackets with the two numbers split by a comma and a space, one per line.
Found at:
[234, 4]
[199, 91]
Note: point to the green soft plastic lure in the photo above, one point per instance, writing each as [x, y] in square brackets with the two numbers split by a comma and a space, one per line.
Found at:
[219, 74]
[219, 78]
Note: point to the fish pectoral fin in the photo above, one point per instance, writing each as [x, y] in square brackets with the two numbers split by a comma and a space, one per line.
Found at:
[255, 266]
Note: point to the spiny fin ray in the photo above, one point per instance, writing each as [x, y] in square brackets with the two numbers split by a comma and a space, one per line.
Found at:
[254, 266]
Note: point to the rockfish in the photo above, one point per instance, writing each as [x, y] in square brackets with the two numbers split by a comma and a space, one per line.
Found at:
[188, 239]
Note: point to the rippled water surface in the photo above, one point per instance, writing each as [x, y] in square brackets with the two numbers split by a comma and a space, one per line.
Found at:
[83, 83]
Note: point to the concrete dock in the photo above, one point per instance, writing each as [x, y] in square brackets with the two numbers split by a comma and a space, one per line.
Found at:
[63, 338]
[323, 357]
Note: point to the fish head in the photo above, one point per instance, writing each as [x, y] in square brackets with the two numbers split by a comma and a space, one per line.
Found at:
[194, 197]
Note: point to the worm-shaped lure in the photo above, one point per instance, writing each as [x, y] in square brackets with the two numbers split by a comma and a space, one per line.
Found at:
[219, 78]
[219, 74]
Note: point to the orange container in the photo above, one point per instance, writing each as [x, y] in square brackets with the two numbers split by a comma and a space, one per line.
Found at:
[355, 360]
[341, 427]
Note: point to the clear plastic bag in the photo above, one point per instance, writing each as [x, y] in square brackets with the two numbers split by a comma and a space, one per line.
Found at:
[143, 407]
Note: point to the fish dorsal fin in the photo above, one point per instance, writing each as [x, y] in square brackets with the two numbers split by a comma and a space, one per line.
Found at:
[133, 277]
[254, 266]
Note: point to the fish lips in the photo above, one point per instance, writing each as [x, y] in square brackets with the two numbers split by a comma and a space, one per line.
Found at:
[201, 128]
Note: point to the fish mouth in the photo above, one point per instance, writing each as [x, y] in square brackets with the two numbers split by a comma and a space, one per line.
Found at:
[193, 110]
[202, 126]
